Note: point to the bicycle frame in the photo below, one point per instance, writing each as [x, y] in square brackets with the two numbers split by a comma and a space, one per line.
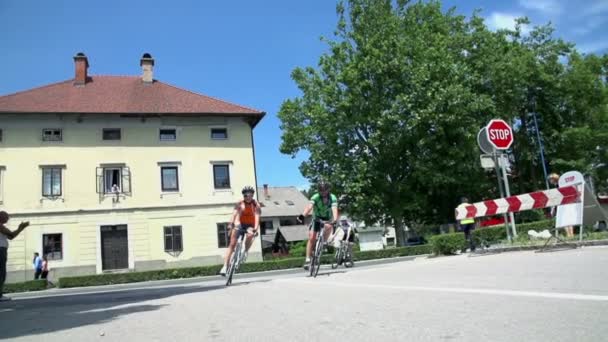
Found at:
[315, 262]
[237, 257]
[342, 255]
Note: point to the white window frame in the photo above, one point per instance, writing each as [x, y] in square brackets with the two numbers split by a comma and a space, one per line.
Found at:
[230, 165]
[167, 128]
[62, 244]
[173, 251]
[180, 179]
[61, 181]
[124, 173]
[44, 130]
[211, 128]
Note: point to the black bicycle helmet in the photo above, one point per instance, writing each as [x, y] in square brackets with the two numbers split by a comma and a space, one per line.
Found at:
[248, 189]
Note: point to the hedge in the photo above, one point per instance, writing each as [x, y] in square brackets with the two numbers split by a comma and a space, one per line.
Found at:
[32, 285]
[392, 252]
[448, 244]
[497, 234]
[134, 277]
[270, 265]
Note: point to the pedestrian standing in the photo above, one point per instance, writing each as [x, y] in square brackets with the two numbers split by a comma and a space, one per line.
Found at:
[45, 267]
[37, 264]
[5, 235]
[467, 225]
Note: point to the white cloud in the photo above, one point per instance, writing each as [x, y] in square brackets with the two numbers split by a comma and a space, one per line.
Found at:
[548, 7]
[497, 21]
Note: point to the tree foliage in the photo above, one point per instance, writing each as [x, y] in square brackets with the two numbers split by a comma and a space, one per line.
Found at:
[391, 113]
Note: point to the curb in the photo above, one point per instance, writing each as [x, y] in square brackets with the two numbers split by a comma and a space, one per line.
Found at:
[538, 247]
[168, 283]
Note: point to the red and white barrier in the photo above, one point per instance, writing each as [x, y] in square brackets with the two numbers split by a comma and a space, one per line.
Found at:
[533, 200]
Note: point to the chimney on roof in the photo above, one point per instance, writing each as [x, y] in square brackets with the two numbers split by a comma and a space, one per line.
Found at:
[81, 64]
[266, 194]
[147, 68]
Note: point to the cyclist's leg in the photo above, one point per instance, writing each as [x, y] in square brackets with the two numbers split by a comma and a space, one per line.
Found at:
[233, 238]
[351, 242]
[248, 239]
[327, 231]
[312, 237]
[338, 237]
[231, 244]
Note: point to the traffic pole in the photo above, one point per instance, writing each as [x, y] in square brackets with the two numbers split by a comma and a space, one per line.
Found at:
[502, 193]
[508, 193]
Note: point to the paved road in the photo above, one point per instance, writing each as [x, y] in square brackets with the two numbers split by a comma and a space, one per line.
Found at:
[524, 296]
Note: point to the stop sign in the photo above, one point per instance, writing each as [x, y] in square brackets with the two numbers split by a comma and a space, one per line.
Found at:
[499, 134]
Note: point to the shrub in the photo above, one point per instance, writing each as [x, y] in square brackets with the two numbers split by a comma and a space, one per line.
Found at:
[489, 235]
[496, 234]
[596, 235]
[270, 265]
[32, 285]
[447, 244]
[523, 228]
[133, 277]
[298, 249]
[392, 252]
[530, 216]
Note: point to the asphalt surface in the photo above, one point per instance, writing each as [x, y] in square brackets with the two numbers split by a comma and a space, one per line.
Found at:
[525, 296]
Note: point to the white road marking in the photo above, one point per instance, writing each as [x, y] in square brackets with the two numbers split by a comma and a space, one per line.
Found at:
[498, 292]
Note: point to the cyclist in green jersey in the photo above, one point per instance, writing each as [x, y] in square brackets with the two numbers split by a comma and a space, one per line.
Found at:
[324, 206]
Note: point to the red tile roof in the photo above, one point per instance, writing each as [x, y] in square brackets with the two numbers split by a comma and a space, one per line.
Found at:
[119, 95]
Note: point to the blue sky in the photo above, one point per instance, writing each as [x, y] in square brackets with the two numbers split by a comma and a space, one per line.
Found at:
[239, 51]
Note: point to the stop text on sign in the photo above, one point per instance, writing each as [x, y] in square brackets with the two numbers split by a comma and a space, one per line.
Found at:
[500, 134]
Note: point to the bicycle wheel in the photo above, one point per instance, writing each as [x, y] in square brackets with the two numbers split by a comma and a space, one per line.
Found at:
[311, 267]
[233, 262]
[239, 259]
[338, 260]
[348, 260]
[318, 252]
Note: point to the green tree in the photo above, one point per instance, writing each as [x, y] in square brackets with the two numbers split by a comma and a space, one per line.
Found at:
[581, 139]
[391, 114]
[540, 74]
[392, 98]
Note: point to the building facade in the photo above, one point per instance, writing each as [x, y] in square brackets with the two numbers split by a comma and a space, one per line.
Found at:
[280, 208]
[119, 173]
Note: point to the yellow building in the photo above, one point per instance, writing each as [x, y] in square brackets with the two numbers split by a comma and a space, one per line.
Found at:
[121, 173]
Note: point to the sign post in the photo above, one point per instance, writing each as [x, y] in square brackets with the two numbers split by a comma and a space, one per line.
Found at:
[489, 161]
[500, 136]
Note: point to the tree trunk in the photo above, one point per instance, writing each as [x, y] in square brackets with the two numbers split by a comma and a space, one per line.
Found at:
[399, 232]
